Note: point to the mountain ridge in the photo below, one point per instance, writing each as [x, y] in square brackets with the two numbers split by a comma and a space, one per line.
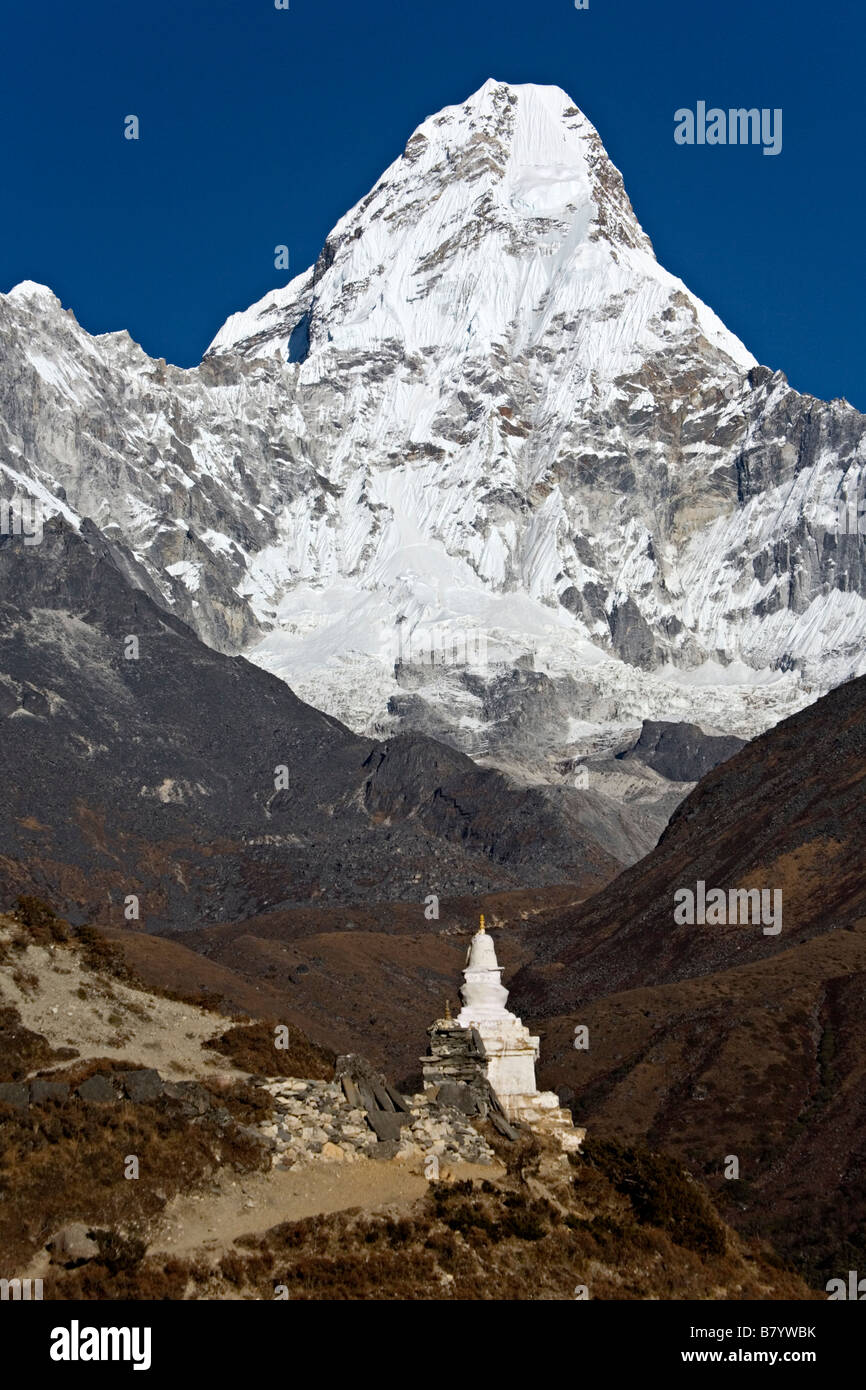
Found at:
[506, 426]
[145, 766]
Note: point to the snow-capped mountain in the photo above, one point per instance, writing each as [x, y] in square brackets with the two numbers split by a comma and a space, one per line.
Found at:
[486, 469]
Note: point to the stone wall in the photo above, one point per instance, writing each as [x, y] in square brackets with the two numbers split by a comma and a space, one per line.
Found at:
[316, 1122]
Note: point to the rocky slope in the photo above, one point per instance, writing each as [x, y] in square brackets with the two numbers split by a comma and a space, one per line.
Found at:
[718, 1040]
[140, 763]
[486, 432]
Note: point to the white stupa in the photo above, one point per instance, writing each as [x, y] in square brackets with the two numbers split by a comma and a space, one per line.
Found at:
[511, 1049]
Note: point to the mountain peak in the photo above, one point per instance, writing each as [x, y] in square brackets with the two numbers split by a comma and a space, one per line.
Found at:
[30, 291]
[541, 95]
[543, 149]
[500, 211]
[494, 91]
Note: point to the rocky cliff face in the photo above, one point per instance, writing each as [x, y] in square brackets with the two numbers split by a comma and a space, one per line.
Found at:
[137, 762]
[486, 433]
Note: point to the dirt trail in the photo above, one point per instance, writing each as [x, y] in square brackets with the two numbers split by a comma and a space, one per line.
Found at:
[57, 995]
[208, 1222]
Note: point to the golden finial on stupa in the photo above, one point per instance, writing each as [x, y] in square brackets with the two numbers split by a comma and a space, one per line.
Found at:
[447, 1010]
[481, 928]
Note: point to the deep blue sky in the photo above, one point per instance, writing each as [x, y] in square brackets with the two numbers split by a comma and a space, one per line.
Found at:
[261, 126]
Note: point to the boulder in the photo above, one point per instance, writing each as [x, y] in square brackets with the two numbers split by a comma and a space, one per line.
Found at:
[192, 1097]
[73, 1245]
[47, 1090]
[256, 1136]
[143, 1085]
[16, 1094]
[97, 1090]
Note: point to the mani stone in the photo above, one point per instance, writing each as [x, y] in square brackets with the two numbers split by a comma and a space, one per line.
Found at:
[386, 1124]
[386, 1148]
[385, 1109]
[350, 1091]
[500, 1123]
[455, 1068]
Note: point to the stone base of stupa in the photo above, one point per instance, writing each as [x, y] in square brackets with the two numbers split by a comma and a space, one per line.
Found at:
[511, 1051]
[542, 1110]
[509, 1048]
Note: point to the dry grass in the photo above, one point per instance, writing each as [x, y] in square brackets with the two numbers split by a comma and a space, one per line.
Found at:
[524, 1238]
[251, 1047]
[22, 1050]
[65, 1161]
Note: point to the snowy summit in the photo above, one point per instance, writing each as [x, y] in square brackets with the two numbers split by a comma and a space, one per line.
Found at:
[486, 422]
